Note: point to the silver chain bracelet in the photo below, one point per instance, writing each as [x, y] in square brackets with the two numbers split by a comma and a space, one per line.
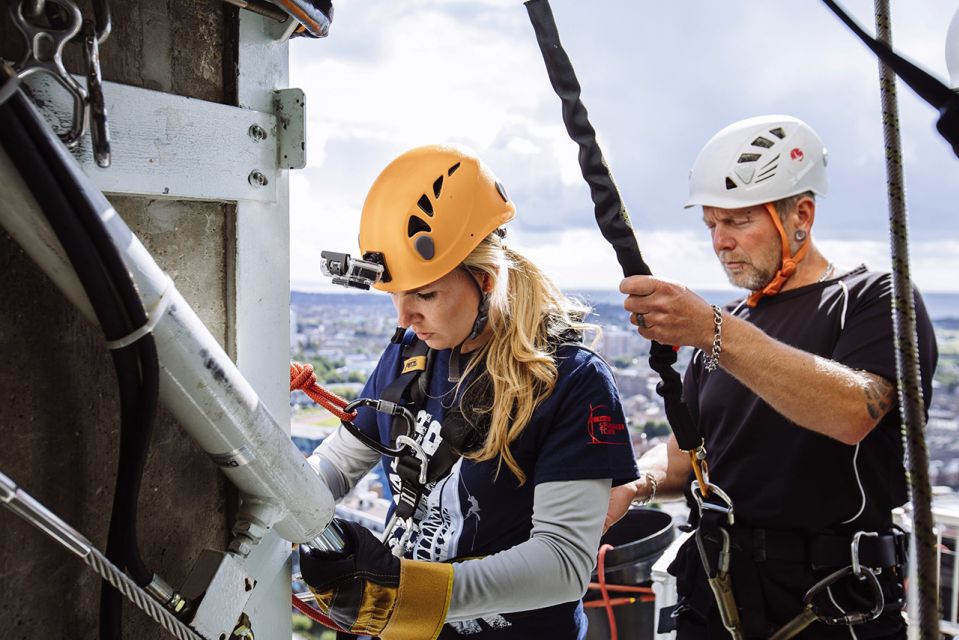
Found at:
[711, 361]
[651, 481]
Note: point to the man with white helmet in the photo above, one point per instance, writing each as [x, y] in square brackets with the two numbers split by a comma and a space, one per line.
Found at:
[793, 390]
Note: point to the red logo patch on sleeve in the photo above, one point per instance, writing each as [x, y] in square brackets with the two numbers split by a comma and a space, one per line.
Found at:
[602, 429]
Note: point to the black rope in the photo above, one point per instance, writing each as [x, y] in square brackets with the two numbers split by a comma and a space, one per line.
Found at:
[911, 407]
[608, 207]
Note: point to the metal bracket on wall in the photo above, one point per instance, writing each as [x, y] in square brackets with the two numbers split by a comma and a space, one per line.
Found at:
[289, 105]
[183, 148]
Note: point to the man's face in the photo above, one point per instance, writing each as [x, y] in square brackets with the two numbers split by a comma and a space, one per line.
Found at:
[747, 244]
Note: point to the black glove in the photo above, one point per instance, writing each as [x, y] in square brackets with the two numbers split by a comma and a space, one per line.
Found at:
[368, 591]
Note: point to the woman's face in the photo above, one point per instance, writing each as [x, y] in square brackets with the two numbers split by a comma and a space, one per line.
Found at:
[441, 313]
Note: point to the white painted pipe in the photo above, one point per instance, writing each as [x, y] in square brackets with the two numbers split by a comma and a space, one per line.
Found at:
[199, 383]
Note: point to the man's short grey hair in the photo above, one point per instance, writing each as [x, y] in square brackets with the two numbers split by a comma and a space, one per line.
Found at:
[785, 206]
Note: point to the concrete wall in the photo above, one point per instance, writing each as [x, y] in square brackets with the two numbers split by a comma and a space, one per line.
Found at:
[59, 413]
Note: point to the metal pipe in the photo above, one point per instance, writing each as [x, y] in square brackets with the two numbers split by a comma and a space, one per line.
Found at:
[199, 383]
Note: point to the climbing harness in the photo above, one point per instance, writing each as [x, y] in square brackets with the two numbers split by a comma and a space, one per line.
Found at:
[44, 55]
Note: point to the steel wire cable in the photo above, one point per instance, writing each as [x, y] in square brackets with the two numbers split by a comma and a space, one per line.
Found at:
[911, 407]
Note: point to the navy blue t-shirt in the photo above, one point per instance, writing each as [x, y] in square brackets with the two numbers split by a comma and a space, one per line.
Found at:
[577, 433]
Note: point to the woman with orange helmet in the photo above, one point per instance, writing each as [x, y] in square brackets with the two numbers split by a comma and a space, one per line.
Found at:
[514, 437]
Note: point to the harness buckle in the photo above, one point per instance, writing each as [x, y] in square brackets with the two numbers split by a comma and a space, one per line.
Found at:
[418, 452]
[854, 552]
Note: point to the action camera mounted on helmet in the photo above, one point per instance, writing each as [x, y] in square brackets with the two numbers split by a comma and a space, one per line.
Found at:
[353, 272]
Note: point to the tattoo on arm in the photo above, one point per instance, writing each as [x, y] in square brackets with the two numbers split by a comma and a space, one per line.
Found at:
[880, 395]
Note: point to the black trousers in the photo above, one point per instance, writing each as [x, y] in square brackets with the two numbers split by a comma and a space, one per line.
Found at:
[770, 593]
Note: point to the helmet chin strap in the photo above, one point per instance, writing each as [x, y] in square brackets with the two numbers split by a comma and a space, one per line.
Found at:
[482, 318]
[789, 261]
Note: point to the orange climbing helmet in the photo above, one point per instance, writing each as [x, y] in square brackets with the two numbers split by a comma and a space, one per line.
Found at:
[427, 211]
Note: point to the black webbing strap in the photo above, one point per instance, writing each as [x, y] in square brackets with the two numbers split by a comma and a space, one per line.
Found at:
[457, 434]
[609, 209]
[937, 94]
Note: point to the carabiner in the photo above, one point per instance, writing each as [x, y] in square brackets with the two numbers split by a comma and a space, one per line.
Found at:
[713, 490]
[398, 545]
[858, 617]
[382, 406]
[99, 129]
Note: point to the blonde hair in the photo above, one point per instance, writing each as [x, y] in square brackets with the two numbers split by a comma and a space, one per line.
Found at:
[529, 317]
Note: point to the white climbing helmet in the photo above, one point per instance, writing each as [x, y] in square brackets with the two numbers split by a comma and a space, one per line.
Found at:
[758, 160]
[952, 51]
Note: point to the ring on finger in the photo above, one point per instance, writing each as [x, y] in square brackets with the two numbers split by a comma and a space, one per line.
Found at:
[640, 320]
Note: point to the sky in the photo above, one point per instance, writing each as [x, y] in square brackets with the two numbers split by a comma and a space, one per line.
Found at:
[659, 79]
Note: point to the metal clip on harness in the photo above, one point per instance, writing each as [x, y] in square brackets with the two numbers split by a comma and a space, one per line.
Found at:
[720, 582]
[814, 613]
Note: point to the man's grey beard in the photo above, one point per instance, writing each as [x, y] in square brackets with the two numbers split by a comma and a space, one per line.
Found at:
[753, 279]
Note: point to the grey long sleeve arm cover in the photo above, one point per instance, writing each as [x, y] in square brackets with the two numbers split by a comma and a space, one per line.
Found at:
[552, 567]
[341, 460]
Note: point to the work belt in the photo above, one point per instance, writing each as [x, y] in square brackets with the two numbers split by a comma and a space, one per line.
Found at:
[837, 556]
[823, 551]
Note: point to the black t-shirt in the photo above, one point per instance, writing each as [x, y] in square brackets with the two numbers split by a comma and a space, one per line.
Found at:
[781, 476]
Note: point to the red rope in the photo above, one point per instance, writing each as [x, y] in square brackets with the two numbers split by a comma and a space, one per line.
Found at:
[303, 378]
[602, 589]
[315, 615]
[608, 603]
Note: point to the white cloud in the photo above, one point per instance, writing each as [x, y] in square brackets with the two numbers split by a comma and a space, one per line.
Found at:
[658, 80]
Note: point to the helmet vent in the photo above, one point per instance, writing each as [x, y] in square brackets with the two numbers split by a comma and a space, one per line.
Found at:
[769, 170]
[730, 184]
[748, 157]
[778, 132]
[437, 187]
[453, 169]
[765, 143]
[425, 205]
[415, 225]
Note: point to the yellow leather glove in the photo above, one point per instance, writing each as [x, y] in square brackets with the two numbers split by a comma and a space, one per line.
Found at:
[367, 590]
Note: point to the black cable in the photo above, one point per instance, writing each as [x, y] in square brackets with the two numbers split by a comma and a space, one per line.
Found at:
[73, 208]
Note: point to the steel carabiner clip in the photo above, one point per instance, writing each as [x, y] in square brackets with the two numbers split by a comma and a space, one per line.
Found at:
[857, 617]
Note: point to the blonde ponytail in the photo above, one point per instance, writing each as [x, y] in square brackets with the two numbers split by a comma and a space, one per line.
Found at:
[529, 316]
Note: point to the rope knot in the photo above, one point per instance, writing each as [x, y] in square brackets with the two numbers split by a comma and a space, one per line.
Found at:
[302, 376]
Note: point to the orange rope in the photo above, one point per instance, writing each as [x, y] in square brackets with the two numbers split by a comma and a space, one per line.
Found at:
[303, 378]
